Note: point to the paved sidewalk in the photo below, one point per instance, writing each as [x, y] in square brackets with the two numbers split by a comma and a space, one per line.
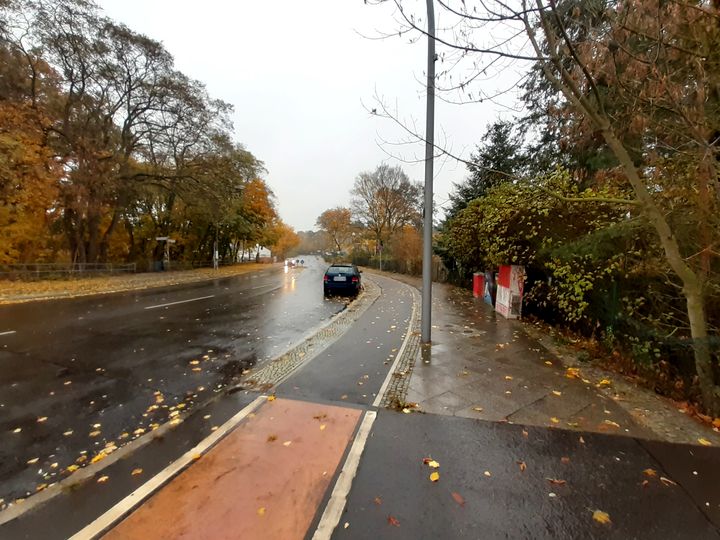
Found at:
[486, 367]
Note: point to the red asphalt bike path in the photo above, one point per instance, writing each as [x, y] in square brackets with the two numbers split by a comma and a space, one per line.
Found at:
[266, 478]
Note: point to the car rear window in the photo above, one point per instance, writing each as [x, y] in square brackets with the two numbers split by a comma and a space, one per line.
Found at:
[341, 270]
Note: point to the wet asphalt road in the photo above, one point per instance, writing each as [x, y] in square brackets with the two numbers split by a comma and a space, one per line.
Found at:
[81, 373]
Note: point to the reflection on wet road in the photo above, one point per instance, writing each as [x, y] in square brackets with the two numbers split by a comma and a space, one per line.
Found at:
[79, 375]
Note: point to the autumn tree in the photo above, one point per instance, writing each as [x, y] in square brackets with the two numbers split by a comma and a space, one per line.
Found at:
[336, 223]
[385, 200]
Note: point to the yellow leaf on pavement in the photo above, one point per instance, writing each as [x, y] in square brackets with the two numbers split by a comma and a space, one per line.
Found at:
[103, 479]
[572, 373]
[433, 464]
[704, 442]
[554, 420]
[261, 511]
[556, 393]
[603, 383]
[601, 517]
[271, 397]
[435, 476]
[72, 468]
[716, 423]
[33, 461]
[137, 471]
[322, 427]
[650, 472]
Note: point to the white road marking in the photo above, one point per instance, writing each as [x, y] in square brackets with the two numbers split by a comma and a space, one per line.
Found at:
[333, 511]
[181, 302]
[388, 378]
[262, 286]
[103, 523]
[7, 333]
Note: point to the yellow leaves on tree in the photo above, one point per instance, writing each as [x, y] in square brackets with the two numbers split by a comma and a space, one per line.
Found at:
[28, 184]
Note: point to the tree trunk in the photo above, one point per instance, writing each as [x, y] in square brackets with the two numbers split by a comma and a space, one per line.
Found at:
[701, 348]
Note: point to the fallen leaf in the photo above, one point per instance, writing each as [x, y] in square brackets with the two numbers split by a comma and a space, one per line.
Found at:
[406, 410]
[346, 525]
[487, 473]
[434, 476]
[554, 420]
[377, 501]
[704, 442]
[565, 460]
[196, 457]
[272, 438]
[98, 457]
[458, 498]
[17, 430]
[611, 423]
[139, 431]
[556, 481]
[344, 396]
[393, 521]
[40, 487]
[603, 383]
[433, 464]
[478, 409]
[525, 433]
[522, 466]
[137, 471]
[667, 481]
[322, 427]
[716, 423]
[41, 419]
[94, 433]
[601, 517]
[650, 472]
[261, 511]
[572, 373]
[508, 377]
[287, 443]
[33, 461]
[72, 468]
[103, 479]
[271, 397]
[582, 441]
[548, 363]
[556, 393]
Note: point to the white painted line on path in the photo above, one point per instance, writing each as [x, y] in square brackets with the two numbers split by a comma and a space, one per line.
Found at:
[262, 286]
[125, 506]
[7, 333]
[181, 302]
[333, 511]
[388, 378]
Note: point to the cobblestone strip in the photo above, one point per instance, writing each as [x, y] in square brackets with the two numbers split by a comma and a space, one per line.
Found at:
[397, 389]
[280, 368]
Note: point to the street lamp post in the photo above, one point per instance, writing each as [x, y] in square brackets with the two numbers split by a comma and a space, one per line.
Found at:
[428, 206]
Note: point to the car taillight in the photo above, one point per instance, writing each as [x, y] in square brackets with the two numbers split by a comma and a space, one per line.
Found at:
[326, 278]
[355, 279]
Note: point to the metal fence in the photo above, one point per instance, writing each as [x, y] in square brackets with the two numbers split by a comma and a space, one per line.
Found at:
[51, 270]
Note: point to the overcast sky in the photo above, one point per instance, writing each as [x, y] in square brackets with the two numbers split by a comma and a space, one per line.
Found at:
[299, 75]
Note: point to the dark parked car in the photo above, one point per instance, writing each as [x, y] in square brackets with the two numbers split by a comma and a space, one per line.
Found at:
[342, 278]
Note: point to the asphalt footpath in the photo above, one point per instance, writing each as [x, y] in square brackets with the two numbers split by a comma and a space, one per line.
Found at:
[315, 457]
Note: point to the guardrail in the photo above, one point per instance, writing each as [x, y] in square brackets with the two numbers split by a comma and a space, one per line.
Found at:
[50, 270]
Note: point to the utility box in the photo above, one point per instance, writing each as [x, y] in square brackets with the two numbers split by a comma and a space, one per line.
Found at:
[511, 281]
[478, 284]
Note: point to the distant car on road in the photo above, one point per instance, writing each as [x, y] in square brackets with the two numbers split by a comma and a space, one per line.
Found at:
[342, 278]
[289, 262]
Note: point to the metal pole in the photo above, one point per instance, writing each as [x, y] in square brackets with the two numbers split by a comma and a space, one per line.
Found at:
[428, 207]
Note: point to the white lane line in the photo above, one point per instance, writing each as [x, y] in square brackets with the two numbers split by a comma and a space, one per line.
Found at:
[333, 511]
[7, 333]
[262, 286]
[125, 506]
[181, 302]
[398, 356]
